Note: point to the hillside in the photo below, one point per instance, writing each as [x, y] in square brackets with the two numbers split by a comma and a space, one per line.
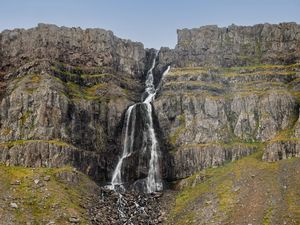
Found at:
[247, 191]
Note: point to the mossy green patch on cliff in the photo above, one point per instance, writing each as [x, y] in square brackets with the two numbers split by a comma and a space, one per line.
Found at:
[10, 144]
[261, 73]
[257, 69]
[35, 78]
[32, 82]
[100, 92]
[267, 217]
[233, 143]
[76, 91]
[182, 127]
[25, 117]
[80, 73]
[245, 189]
[194, 84]
[188, 71]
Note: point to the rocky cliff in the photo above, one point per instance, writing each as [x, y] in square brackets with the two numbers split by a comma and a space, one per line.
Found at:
[236, 45]
[63, 95]
[230, 92]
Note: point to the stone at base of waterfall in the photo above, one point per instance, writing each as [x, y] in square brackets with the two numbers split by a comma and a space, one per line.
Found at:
[139, 208]
[139, 186]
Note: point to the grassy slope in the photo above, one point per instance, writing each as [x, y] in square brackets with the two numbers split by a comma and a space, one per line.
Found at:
[247, 191]
[56, 200]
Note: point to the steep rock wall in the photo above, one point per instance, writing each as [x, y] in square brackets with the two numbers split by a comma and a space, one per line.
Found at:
[70, 86]
[236, 45]
[74, 46]
[230, 86]
[64, 92]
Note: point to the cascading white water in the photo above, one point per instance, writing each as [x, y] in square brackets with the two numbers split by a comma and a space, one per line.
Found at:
[127, 148]
[153, 180]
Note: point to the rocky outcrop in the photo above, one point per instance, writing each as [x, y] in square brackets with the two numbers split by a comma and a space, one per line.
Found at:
[279, 150]
[207, 106]
[74, 46]
[191, 159]
[235, 45]
[217, 93]
[53, 153]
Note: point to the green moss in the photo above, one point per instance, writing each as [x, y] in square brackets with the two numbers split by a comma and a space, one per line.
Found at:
[174, 137]
[188, 71]
[267, 217]
[76, 91]
[91, 76]
[22, 142]
[254, 70]
[263, 67]
[261, 73]
[194, 84]
[35, 78]
[25, 117]
[64, 72]
[225, 194]
[232, 144]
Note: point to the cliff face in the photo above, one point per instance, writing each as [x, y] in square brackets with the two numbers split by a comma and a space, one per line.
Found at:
[64, 92]
[210, 116]
[231, 91]
[236, 45]
[73, 46]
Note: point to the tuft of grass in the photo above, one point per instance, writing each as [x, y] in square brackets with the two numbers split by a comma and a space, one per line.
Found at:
[267, 217]
[35, 78]
[182, 127]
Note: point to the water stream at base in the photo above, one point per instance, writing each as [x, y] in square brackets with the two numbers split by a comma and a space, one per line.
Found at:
[153, 180]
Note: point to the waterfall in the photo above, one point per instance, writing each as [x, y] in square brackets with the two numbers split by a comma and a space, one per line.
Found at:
[153, 181]
[127, 148]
